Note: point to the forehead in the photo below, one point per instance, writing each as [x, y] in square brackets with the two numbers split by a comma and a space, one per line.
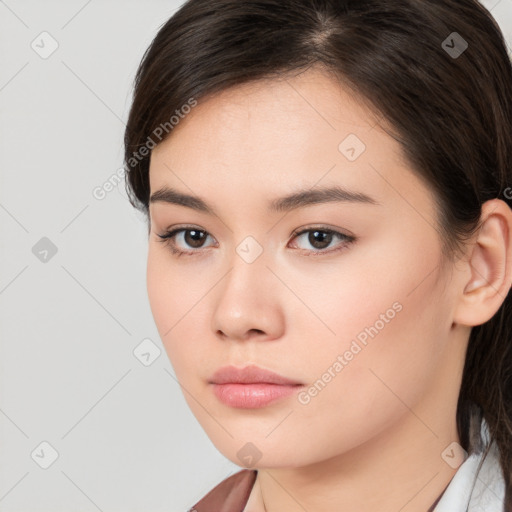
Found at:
[271, 115]
[270, 137]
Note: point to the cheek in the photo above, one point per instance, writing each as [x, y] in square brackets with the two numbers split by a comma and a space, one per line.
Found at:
[172, 290]
[379, 382]
[175, 296]
[391, 320]
[172, 296]
[160, 291]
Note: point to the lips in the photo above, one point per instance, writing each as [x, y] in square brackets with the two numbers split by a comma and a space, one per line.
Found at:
[250, 375]
[251, 387]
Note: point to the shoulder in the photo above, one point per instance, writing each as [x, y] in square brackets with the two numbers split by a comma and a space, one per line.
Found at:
[230, 495]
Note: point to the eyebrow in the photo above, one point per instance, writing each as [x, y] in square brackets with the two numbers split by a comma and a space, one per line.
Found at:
[294, 201]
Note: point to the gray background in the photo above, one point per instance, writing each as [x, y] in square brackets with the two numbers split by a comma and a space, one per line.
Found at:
[72, 319]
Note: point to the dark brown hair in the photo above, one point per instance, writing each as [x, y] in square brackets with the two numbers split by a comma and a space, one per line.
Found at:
[447, 97]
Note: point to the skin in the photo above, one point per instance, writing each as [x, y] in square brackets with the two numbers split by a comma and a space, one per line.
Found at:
[372, 439]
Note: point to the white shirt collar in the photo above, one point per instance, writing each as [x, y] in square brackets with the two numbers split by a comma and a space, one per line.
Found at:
[472, 492]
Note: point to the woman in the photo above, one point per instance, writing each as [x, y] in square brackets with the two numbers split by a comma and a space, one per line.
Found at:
[327, 185]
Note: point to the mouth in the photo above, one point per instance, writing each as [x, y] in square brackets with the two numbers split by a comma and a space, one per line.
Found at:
[251, 387]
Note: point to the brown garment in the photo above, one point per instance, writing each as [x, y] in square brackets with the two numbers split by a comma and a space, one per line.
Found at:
[232, 494]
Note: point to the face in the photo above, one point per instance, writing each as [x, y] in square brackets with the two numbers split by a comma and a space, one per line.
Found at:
[346, 297]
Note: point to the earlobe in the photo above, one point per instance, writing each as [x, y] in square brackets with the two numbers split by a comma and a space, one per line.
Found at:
[490, 266]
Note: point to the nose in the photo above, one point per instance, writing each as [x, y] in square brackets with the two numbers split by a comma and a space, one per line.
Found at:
[248, 301]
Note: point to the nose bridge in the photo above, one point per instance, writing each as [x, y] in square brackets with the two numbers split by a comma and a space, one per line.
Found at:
[248, 269]
[245, 300]
[250, 249]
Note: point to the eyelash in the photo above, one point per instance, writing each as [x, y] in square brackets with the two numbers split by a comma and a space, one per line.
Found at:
[168, 239]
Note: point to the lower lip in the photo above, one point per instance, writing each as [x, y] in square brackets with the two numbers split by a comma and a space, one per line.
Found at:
[252, 396]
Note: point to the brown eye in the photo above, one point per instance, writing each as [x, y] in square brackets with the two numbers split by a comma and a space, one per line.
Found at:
[181, 239]
[322, 238]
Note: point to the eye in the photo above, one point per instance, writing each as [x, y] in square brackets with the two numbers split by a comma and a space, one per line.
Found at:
[192, 236]
[320, 238]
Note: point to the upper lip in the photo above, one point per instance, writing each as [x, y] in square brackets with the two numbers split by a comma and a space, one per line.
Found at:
[249, 375]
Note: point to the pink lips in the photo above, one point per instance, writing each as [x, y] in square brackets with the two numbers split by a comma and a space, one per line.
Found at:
[250, 387]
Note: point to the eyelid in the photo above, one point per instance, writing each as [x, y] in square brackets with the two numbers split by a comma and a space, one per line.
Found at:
[320, 227]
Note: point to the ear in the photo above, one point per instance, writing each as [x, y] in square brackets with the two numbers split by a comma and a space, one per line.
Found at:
[488, 271]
